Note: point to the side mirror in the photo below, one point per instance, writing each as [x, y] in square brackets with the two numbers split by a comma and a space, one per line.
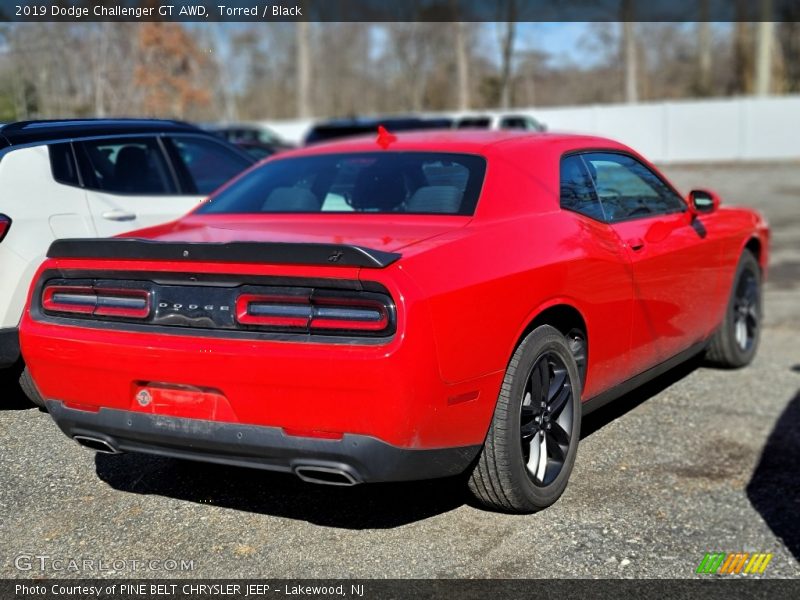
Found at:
[703, 201]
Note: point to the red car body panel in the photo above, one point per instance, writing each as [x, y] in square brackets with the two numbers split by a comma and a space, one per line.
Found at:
[466, 290]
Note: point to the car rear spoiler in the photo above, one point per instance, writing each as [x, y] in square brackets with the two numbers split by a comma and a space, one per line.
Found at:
[340, 255]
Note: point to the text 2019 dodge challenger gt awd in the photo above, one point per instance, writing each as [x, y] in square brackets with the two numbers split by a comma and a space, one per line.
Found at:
[407, 308]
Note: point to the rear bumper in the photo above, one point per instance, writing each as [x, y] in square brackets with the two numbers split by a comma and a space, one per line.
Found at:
[392, 392]
[9, 346]
[363, 458]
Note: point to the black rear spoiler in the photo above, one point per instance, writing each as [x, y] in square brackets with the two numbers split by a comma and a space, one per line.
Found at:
[340, 255]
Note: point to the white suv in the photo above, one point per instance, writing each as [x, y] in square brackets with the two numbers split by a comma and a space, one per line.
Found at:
[498, 121]
[94, 178]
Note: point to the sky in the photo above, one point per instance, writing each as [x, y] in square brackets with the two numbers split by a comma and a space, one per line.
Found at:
[558, 39]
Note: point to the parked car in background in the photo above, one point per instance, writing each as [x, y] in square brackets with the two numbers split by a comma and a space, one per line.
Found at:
[415, 306]
[503, 121]
[94, 178]
[260, 142]
[342, 128]
[257, 150]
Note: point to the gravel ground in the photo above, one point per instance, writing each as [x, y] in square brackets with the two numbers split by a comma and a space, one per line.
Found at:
[700, 460]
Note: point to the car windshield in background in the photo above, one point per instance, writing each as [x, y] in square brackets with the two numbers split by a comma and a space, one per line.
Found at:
[371, 182]
[474, 123]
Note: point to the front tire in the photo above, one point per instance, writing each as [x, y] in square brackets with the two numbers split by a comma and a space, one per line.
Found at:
[735, 342]
[533, 438]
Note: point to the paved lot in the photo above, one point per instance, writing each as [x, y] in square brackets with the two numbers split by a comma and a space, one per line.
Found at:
[700, 460]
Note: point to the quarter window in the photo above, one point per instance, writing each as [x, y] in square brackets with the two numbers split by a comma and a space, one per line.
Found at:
[577, 189]
[62, 164]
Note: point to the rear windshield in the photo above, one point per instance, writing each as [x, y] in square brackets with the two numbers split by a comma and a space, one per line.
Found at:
[372, 182]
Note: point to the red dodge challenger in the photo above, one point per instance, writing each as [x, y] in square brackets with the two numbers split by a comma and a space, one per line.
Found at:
[403, 308]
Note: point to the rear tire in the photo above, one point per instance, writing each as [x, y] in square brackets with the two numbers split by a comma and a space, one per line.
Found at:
[734, 344]
[29, 387]
[533, 438]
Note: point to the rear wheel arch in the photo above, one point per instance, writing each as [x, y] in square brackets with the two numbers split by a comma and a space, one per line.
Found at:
[569, 321]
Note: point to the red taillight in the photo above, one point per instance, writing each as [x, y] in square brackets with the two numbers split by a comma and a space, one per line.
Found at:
[273, 311]
[98, 302]
[5, 225]
[362, 314]
[321, 312]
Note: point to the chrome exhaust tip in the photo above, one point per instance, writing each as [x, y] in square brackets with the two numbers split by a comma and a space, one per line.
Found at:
[325, 475]
[96, 444]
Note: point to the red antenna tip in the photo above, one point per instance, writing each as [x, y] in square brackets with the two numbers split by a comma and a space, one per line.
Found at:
[385, 138]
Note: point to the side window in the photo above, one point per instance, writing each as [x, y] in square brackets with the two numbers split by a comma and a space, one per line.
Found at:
[521, 122]
[62, 164]
[206, 163]
[474, 123]
[577, 189]
[125, 166]
[628, 189]
[513, 123]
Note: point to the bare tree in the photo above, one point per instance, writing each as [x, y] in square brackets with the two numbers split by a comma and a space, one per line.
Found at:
[507, 53]
[704, 51]
[789, 36]
[100, 68]
[267, 64]
[410, 57]
[742, 82]
[223, 59]
[303, 41]
[629, 52]
[462, 65]
[170, 70]
[764, 58]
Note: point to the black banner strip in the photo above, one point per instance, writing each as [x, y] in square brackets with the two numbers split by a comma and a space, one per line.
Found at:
[370, 589]
[265, 11]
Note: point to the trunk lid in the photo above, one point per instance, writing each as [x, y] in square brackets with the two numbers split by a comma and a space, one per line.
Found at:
[387, 233]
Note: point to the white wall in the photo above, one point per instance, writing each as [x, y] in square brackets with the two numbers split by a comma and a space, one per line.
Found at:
[730, 129]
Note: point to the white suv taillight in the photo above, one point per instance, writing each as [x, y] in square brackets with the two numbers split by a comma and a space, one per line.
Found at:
[5, 225]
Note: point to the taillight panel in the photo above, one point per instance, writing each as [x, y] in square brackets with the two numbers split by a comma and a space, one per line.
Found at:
[94, 301]
[322, 311]
[366, 312]
[284, 310]
[280, 311]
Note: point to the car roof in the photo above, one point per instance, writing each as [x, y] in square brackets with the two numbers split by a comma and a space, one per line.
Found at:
[26, 132]
[367, 121]
[231, 126]
[470, 141]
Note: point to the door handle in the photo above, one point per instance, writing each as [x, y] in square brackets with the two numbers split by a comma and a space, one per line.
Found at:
[119, 215]
[636, 244]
